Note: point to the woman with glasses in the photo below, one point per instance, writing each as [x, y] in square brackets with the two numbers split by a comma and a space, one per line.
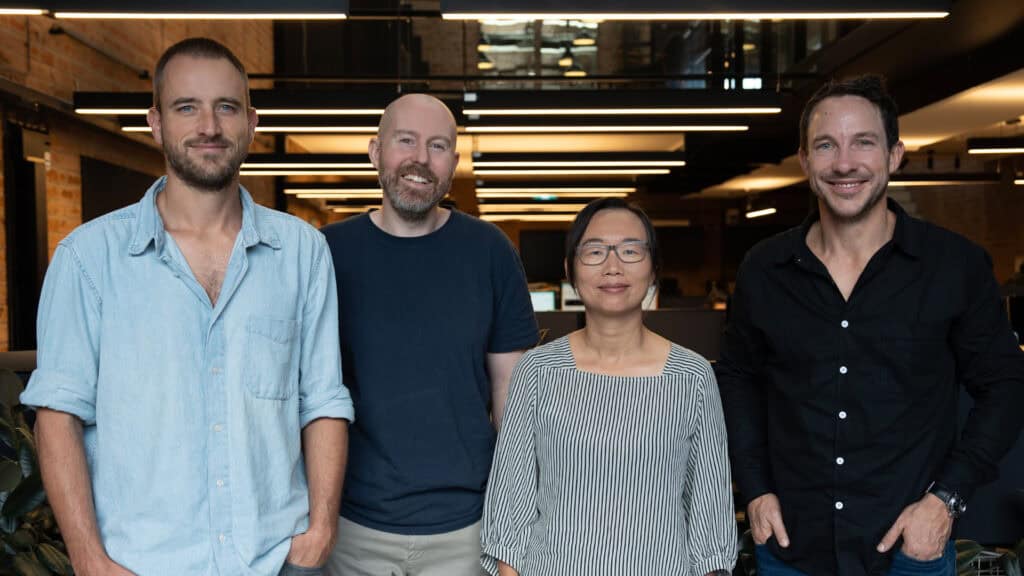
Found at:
[611, 458]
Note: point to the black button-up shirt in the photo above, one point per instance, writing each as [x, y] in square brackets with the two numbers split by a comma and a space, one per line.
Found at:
[846, 409]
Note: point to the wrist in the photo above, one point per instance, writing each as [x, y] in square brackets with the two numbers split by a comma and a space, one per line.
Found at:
[954, 504]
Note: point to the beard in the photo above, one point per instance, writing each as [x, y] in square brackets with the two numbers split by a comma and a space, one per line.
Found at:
[411, 204]
[876, 195]
[204, 176]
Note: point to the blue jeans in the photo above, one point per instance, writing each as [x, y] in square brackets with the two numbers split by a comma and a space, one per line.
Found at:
[902, 565]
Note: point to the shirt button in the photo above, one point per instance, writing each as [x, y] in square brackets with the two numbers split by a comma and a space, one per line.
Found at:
[840, 461]
[222, 538]
[839, 505]
[844, 324]
[220, 483]
[216, 370]
[843, 370]
[842, 414]
[217, 427]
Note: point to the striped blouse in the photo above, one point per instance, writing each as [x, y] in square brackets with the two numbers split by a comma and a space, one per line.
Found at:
[613, 475]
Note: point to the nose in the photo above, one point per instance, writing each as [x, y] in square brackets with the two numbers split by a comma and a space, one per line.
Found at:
[208, 124]
[422, 156]
[843, 161]
[612, 264]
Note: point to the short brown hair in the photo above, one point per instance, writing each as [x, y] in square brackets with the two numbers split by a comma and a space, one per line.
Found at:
[870, 87]
[196, 48]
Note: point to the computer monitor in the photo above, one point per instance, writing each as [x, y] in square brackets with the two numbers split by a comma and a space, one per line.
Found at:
[543, 300]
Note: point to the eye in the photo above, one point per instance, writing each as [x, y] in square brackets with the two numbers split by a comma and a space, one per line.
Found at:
[406, 140]
[439, 147]
[865, 142]
[186, 108]
[630, 250]
[593, 250]
[230, 108]
[823, 146]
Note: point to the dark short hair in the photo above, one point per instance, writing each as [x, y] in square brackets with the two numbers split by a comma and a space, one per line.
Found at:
[196, 48]
[582, 221]
[870, 87]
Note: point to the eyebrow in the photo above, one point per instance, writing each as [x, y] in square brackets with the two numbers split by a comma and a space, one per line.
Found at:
[603, 241]
[445, 139]
[193, 100]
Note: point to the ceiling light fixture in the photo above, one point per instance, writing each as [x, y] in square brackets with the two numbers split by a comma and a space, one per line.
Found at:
[295, 129]
[575, 71]
[555, 192]
[761, 212]
[260, 111]
[581, 172]
[338, 195]
[581, 164]
[527, 208]
[484, 62]
[1013, 145]
[354, 209]
[619, 111]
[22, 11]
[566, 60]
[304, 165]
[584, 39]
[866, 15]
[590, 129]
[198, 16]
[308, 172]
[528, 217]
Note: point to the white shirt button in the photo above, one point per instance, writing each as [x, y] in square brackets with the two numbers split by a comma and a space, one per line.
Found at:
[220, 483]
[222, 538]
[217, 427]
[839, 505]
[840, 461]
[844, 324]
[842, 414]
[216, 370]
[843, 370]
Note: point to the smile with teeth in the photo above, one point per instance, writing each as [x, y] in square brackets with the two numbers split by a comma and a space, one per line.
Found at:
[415, 178]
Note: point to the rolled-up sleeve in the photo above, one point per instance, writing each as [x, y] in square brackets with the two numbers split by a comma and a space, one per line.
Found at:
[707, 494]
[321, 391]
[68, 336]
[510, 507]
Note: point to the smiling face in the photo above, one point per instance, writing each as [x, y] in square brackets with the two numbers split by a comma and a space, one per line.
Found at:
[614, 287]
[204, 122]
[415, 156]
[847, 162]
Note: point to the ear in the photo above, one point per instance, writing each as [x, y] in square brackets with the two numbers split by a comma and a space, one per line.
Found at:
[374, 152]
[254, 121]
[896, 156]
[802, 154]
[153, 119]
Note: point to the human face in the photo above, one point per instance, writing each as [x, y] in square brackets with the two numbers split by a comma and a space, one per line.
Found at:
[848, 163]
[204, 123]
[415, 157]
[614, 287]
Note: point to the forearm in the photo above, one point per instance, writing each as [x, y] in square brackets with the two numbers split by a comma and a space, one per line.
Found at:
[68, 487]
[506, 570]
[325, 448]
[499, 370]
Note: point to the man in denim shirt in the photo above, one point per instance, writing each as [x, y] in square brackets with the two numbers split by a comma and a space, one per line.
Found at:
[192, 418]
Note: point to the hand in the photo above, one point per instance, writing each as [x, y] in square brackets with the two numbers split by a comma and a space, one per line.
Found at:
[925, 526]
[765, 516]
[312, 548]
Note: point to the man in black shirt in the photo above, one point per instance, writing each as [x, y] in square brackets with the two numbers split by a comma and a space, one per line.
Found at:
[848, 339]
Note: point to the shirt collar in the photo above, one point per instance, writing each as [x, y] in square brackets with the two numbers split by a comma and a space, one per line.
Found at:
[906, 236]
[256, 227]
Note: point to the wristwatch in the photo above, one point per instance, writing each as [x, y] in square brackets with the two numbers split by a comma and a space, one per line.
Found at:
[955, 505]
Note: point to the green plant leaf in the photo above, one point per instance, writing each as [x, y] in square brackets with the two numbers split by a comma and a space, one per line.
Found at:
[24, 498]
[26, 564]
[966, 552]
[22, 539]
[27, 460]
[10, 476]
[1010, 563]
[7, 432]
[11, 387]
[54, 559]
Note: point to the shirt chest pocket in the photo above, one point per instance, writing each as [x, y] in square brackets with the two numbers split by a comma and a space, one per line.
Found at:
[271, 357]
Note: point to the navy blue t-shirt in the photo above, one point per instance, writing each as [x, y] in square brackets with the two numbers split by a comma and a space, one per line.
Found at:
[418, 318]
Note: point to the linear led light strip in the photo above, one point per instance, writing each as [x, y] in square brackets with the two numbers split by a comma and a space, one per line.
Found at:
[696, 16]
[528, 217]
[1019, 182]
[200, 16]
[354, 191]
[584, 172]
[529, 208]
[1013, 150]
[919, 183]
[22, 11]
[614, 111]
[580, 163]
[553, 193]
[304, 165]
[637, 128]
[762, 212]
[353, 209]
[296, 129]
[339, 195]
[261, 111]
[308, 172]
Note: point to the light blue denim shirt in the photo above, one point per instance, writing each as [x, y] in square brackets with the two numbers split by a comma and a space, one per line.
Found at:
[192, 413]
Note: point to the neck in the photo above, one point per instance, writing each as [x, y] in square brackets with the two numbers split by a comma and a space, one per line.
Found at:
[183, 207]
[613, 337]
[388, 220]
[859, 239]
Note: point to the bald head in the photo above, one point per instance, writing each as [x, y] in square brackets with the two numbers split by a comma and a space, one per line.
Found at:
[421, 106]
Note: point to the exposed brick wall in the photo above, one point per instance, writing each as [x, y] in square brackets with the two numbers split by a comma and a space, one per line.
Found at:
[992, 216]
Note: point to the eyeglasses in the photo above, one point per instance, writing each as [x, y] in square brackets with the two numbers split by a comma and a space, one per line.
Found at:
[594, 254]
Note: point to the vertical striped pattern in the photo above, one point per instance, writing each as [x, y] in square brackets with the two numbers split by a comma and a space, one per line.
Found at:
[612, 475]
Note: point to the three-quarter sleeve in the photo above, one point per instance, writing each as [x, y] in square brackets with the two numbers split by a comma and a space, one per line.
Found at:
[510, 507]
[707, 494]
